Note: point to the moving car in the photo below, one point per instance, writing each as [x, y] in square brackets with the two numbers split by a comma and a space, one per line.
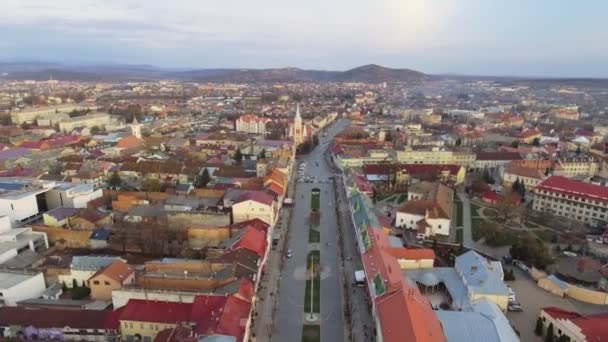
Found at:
[289, 255]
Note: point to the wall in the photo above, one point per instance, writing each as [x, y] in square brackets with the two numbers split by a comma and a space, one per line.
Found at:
[587, 296]
[66, 237]
[249, 210]
[203, 237]
[30, 288]
[145, 329]
[7, 255]
[182, 220]
[80, 276]
[501, 301]
[103, 290]
[406, 264]
[19, 209]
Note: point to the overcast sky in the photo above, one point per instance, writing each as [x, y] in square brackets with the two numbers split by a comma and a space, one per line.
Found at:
[484, 37]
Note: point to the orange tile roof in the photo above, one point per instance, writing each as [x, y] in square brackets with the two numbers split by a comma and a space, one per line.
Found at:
[118, 270]
[411, 253]
[128, 142]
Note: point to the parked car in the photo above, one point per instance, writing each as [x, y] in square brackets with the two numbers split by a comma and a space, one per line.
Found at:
[515, 307]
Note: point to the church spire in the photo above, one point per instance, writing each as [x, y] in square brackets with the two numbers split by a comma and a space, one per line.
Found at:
[298, 112]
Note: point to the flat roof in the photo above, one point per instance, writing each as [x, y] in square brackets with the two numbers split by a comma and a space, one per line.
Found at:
[11, 279]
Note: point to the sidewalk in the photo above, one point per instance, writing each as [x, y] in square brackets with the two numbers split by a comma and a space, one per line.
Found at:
[267, 304]
[358, 320]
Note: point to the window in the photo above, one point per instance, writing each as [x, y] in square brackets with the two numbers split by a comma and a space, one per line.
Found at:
[96, 282]
[107, 283]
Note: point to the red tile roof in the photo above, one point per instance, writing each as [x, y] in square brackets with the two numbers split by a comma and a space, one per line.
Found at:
[594, 327]
[253, 240]
[563, 185]
[256, 223]
[155, 311]
[406, 315]
[58, 318]
[233, 320]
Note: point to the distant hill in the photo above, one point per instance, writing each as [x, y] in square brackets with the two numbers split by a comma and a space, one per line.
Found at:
[373, 73]
[45, 71]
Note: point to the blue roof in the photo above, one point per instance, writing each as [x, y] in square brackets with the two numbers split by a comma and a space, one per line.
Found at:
[101, 234]
[91, 263]
[558, 282]
[62, 213]
[12, 185]
[480, 275]
[467, 326]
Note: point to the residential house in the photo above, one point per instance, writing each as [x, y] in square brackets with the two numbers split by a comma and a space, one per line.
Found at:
[430, 213]
[255, 204]
[83, 267]
[113, 276]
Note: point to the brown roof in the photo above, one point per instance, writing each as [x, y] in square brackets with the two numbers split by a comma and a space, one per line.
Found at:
[118, 270]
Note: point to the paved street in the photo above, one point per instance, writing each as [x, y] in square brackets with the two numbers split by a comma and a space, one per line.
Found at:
[290, 314]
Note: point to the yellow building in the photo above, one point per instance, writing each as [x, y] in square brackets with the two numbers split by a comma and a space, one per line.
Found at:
[111, 277]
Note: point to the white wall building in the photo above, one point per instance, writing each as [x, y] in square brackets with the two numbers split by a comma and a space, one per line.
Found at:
[17, 286]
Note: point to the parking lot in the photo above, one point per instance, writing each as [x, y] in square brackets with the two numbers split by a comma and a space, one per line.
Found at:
[533, 298]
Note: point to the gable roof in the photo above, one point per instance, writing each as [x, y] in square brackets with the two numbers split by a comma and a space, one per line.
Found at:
[118, 270]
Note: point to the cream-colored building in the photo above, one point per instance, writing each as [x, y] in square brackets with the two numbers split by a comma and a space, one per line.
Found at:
[29, 115]
[578, 166]
[436, 155]
[576, 200]
[89, 121]
[251, 124]
[255, 204]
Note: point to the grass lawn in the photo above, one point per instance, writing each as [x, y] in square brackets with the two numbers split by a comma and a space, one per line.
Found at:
[402, 198]
[476, 228]
[459, 233]
[314, 257]
[314, 235]
[311, 333]
[474, 210]
[459, 217]
[494, 235]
